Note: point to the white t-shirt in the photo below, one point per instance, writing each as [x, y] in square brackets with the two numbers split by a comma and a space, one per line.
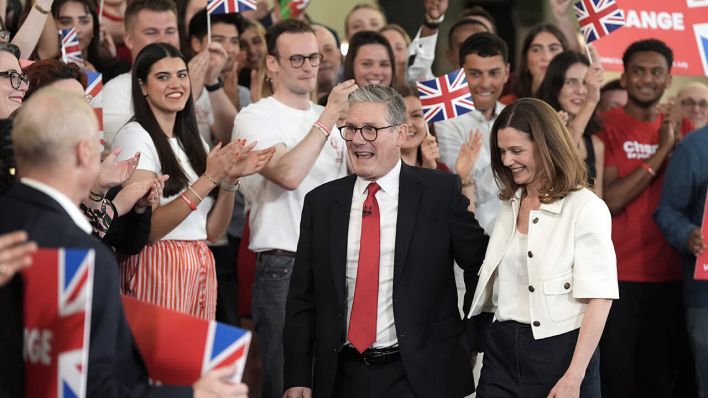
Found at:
[134, 138]
[275, 211]
[117, 106]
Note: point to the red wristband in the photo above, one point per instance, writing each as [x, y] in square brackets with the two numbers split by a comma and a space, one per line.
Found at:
[648, 168]
[188, 202]
[321, 126]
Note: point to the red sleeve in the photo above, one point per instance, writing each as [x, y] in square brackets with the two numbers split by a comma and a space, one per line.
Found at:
[606, 137]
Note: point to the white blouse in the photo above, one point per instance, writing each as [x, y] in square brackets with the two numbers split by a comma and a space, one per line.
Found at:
[511, 287]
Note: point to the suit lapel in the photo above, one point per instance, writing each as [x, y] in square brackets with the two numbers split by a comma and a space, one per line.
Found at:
[408, 201]
[339, 218]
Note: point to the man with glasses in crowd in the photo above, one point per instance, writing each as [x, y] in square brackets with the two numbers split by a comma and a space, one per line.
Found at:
[693, 98]
[372, 303]
[306, 156]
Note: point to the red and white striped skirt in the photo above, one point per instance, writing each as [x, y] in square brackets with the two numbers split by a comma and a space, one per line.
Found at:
[177, 274]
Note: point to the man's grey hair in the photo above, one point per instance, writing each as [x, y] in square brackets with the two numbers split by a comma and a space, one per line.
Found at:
[395, 107]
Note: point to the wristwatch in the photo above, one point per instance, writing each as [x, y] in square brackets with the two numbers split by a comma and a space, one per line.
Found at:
[213, 87]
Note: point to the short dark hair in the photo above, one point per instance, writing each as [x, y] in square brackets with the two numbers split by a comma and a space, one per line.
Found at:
[287, 26]
[198, 23]
[479, 11]
[361, 39]
[135, 6]
[463, 22]
[331, 30]
[612, 85]
[484, 44]
[654, 45]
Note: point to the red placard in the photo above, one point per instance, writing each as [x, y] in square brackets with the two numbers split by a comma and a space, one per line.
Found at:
[178, 348]
[681, 24]
[701, 272]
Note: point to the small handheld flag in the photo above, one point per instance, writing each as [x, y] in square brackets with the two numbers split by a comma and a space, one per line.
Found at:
[70, 49]
[230, 6]
[598, 18]
[292, 8]
[445, 97]
[94, 93]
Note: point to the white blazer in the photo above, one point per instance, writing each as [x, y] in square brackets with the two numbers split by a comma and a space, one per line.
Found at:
[570, 259]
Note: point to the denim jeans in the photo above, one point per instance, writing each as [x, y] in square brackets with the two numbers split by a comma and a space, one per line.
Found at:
[270, 290]
[697, 323]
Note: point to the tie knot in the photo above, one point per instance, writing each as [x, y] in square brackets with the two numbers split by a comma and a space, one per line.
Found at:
[372, 189]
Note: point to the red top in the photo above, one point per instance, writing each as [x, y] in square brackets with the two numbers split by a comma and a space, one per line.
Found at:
[643, 255]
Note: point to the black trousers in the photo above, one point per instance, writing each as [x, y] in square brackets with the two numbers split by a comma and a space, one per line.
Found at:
[515, 365]
[644, 339]
[227, 281]
[355, 379]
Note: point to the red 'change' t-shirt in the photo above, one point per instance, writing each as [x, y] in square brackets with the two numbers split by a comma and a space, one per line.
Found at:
[643, 255]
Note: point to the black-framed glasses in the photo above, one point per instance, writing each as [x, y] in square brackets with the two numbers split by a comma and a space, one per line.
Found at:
[689, 103]
[16, 78]
[297, 60]
[369, 133]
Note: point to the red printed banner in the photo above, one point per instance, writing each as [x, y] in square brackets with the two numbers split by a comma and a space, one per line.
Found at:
[57, 311]
[202, 345]
[681, 24]
[701, 272]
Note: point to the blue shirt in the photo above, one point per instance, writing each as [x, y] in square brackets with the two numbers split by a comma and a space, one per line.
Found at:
[681, 207]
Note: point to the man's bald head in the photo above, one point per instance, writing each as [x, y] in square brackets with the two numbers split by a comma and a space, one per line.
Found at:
[694, 102]
[51, 140]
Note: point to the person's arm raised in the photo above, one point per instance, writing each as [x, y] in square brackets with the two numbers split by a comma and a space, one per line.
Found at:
[288, 168]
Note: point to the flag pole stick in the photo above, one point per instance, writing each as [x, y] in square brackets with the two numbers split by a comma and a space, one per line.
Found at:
[208, 28]
[100, 13]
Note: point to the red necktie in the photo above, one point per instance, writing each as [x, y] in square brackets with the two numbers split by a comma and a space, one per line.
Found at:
[362, 324]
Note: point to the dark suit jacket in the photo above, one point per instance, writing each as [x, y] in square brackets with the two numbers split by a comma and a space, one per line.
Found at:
[115, 366]
[433, 228]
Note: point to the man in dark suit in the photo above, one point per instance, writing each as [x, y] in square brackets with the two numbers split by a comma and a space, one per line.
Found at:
[372, 308]
[58, 158]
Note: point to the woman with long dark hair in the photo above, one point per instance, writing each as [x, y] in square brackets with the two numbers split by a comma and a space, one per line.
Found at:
[370, 60]
[176, 269]
[572, 86]
[541, 44]
[97, 47]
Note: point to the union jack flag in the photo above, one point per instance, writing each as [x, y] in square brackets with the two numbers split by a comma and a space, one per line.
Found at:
[229, 6]
[598, 18]
[70, 49]
[94, 94]
[57, 312]
[204, 345]
[445, 97]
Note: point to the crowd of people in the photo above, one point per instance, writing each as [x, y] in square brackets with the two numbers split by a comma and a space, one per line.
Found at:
[250, 173]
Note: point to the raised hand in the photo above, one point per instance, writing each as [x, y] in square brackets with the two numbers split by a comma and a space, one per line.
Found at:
[560, 7]
[247, 161]
[114, 173]
[594, 79]
[198, 66]
[469, 152]
[337, 102]
[564, 117]
[430, 151]
[217, 60]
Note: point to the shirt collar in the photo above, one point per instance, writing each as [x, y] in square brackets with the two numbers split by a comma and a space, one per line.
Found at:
[70, 207]
[388, 183]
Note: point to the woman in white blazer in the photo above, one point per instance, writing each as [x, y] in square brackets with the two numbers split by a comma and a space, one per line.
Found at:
[549, 274]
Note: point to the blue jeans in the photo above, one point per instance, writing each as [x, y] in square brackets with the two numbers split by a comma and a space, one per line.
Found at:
[270, 290]
[697, 323]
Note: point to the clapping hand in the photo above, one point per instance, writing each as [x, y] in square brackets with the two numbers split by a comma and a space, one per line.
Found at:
[430, 151]
[113, 173]
[247, 161]
[469, 152]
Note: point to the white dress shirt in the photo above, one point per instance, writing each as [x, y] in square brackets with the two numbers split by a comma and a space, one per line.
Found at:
[387, 198]
[67, 204]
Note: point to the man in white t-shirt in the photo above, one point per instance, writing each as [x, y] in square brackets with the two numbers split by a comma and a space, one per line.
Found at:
[309, 152]
[155, 21]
